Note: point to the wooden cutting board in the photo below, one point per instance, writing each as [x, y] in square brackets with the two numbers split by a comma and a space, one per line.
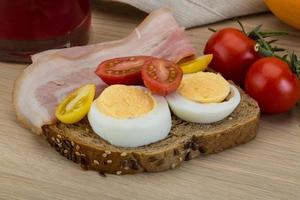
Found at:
[266, 168]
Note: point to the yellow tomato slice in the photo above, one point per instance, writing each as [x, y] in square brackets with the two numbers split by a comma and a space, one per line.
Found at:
[76, 105]
[196, 65]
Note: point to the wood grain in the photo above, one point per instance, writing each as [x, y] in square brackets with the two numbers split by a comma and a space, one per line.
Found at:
[266, 168]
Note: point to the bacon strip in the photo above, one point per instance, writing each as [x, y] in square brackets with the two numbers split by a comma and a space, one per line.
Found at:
[55, 73]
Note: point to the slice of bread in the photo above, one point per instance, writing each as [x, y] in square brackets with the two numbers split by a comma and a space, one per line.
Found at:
[80, 144]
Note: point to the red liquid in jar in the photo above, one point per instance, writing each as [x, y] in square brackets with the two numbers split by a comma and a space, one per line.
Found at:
[31, 26]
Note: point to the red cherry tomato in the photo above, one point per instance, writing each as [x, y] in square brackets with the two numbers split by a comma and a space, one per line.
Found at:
[271, 82]
[126, 70]
[161, 76]
[233, 53]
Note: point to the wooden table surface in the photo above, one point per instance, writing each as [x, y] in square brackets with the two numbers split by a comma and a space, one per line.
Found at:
[266, 168]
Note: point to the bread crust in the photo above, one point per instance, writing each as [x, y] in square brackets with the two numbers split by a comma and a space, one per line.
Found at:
[109, 159]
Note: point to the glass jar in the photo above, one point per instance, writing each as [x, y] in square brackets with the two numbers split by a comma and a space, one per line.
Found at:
[31, 26]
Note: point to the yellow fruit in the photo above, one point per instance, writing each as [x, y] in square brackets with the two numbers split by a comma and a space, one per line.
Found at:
[199, 64]
[76, 105]
[286, 10]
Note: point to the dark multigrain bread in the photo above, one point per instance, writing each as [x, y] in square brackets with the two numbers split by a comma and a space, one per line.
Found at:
[186, 140]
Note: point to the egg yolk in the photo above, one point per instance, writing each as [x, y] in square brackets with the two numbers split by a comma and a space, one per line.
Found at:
[121, 102]
[204, 87]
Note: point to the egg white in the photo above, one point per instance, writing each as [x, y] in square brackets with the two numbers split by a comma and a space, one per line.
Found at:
[148, 128]
[203, 112]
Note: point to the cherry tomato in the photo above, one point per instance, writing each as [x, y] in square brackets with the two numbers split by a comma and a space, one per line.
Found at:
[196, 65]
[233, 53]
[271, 82]
[125, 70]
[161, 76]
[76, 105]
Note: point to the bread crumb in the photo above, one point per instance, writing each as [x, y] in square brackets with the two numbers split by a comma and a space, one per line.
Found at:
[173, 165]
[119, 172]
[123, 154]
[108, 152]
[109, 161]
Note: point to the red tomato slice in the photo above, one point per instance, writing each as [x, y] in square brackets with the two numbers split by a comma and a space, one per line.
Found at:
[161, 76]
[125, 70]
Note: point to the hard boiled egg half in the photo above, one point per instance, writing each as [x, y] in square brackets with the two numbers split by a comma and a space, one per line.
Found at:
[204, 97]
[130, 116]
